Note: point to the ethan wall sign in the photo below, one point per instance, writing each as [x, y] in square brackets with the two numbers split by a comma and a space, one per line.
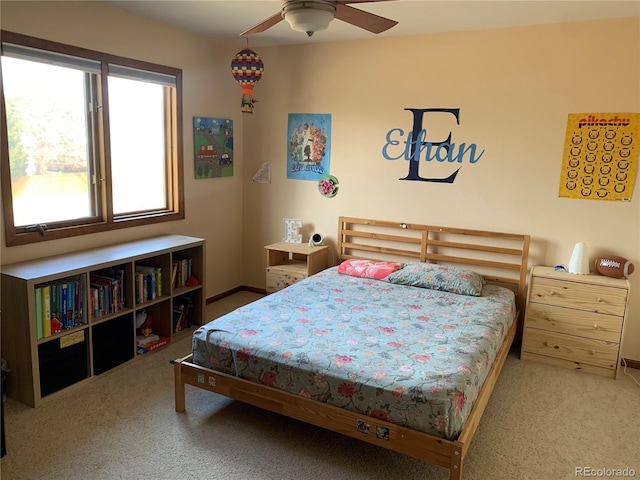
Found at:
[414, 146]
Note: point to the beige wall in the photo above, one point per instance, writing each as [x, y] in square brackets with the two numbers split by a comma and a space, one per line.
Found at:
[213, 206]
[514, 88]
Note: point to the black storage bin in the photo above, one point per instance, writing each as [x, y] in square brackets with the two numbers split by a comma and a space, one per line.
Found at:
[113, 343]
[63, 362]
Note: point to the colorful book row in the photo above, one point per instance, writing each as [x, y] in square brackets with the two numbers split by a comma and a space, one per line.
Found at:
[107, 291]
[181, 271]
[148, 283]
[58, 306]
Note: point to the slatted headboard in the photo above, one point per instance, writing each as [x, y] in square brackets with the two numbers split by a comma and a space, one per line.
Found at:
[501, 258]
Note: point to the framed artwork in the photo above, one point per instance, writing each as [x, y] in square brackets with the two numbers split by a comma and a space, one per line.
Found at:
[309, 137]
[600, 157]
[213, 147]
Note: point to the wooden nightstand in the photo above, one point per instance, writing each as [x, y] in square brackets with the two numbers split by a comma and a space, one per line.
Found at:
[288, 263]
[575, 321]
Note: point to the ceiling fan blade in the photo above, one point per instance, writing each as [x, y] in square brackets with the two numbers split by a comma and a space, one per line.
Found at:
[265, 24]
[360, 18]
[362, 1]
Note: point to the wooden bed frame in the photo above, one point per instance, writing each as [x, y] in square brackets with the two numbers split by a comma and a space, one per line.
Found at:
[500, 257]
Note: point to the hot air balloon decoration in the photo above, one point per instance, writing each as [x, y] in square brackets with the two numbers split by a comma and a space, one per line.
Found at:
[247, 68]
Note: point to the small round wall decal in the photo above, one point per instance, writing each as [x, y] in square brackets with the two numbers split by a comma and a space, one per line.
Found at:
[328, 186]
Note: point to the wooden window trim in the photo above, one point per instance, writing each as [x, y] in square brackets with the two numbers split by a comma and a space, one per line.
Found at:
[106, 221]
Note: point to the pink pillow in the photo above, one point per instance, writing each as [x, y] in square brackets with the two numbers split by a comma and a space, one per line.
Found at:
[368, 268]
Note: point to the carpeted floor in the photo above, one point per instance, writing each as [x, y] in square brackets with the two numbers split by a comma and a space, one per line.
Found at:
[541, 423]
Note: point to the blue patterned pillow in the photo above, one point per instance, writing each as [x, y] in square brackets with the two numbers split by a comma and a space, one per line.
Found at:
[439, 277]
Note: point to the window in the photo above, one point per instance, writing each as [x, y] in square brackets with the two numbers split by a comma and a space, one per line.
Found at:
[90, 142]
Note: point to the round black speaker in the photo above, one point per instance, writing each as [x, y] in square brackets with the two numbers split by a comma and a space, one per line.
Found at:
[316, 239]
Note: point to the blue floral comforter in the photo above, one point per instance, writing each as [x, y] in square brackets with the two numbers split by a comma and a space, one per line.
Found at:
[410, 356]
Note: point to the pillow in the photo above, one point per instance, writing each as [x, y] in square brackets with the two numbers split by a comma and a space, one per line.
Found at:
[368, 268]
[439, 277]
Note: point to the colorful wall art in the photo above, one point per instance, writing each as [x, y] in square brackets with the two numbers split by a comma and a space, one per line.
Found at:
[213, 147]
[309, 137]
[600, 156]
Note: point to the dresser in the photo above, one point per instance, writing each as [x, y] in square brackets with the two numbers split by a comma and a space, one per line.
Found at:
[575, 321]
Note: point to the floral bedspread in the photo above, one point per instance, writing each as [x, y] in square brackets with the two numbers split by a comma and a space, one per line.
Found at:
[408, 355]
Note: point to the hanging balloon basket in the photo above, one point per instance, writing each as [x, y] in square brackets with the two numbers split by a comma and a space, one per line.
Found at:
[247, 69]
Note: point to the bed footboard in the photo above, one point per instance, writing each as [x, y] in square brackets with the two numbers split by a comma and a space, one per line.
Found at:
[442, 452]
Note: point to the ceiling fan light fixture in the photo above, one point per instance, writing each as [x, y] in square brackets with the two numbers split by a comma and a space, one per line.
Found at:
[309, 17]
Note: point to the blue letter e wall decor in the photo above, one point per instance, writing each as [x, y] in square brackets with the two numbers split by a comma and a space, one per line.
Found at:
[415, 147]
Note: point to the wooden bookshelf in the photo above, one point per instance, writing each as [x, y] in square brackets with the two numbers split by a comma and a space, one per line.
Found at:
[98, 337]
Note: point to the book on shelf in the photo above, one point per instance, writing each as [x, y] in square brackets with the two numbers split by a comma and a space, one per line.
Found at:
[78, 300]
[142, 340]
[63, 306]
[182, 313]
[148, 283]
[46, 311]
[149, 347]
[55, 309]
[59, 306]
[39, 324]
[178, 314]
[108, 287]
[181, 271]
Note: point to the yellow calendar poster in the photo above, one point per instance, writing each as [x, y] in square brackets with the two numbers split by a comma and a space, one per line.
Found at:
[600, 156]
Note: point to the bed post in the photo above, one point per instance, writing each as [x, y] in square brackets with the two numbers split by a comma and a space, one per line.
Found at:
[457, 456]
[179, 386]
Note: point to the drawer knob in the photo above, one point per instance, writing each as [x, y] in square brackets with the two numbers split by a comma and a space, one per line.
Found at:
[596, 326]
[552, 293]
[599, 300]
[592, 352]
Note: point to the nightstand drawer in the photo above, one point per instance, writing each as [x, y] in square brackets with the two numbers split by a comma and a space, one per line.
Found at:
[582, 296]
[567, 320]
[279, 278]
[577, 349]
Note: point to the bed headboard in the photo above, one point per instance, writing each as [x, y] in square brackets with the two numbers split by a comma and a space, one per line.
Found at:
[501, 258]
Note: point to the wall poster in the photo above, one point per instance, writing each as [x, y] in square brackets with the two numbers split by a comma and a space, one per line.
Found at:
[600, 157]
[309, 137]
[213, 147]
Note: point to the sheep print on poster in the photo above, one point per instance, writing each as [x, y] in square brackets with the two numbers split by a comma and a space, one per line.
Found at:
[213, 147]
[309, 137]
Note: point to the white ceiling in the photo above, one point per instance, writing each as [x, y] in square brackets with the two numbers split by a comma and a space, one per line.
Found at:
[224, 20]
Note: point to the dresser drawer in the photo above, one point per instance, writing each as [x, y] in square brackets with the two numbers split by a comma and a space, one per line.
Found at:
[568, 347]
[572, 322]
[582, 296]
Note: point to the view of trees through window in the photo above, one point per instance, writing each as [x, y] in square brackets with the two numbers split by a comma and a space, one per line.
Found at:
[91, 142]
[48, 141]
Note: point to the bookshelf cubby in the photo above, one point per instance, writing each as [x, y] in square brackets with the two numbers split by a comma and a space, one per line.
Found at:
[50, 347]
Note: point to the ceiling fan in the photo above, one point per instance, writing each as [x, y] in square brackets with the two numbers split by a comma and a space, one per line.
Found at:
[310, 16]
